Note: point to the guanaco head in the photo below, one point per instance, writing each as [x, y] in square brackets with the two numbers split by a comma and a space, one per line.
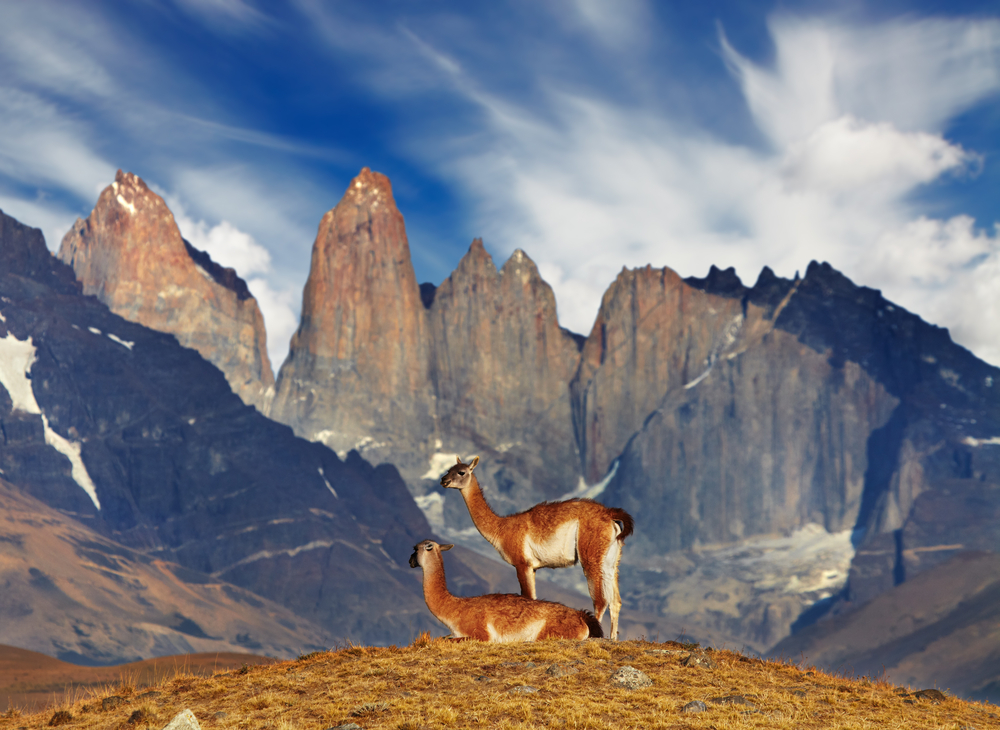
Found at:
[421, 549]
[458, 476]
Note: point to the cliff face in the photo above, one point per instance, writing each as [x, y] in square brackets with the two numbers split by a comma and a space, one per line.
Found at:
[129, 254]
[653, 335]
[356, 375]
[749, 432]
[826, 405]
[477, 365]
[500, 365]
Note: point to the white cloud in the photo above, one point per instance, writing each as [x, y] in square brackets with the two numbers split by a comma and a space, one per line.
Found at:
[225, 15]
[40, 145]
[913, 74]
[226, 244]
[280, 309]
[56, 49]
[617, 23]
[229, 246]
[853, 118]
[847, 155]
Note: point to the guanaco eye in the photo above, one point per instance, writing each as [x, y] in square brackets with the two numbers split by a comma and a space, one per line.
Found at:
[461, 473]
[428, 547]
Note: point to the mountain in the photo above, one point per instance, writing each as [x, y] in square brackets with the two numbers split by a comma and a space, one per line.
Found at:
[819, 402]
[120, 428]
[790, 448]
[937, 628]
[129, 254]
[414, 375]
[74, 594]
[356, 374]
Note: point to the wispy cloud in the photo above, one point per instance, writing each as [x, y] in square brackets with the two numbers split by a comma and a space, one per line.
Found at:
[853, 117]
[228, 16]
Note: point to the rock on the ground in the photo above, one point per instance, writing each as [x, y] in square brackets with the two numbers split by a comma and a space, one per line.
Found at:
[694, 706]
[699, 659]
[630, 678]
[184, 720]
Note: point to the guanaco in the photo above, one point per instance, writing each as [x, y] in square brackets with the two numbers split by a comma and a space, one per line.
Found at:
[552, 535]
[496, 617]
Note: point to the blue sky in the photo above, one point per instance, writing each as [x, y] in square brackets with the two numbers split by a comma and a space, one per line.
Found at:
[593, 135]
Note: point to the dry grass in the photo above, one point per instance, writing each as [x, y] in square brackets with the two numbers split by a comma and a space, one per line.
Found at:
[444, 684]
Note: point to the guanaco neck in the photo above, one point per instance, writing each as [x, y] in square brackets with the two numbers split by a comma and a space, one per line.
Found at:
[483, 517]
[436, 594]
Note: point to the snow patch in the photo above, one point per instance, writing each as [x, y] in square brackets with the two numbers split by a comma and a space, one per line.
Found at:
[2, 318]
[71, 450]
[125, 204]
[327, 483]
[124, 343]
[992, 441]
[16, 358]
[438, 464]
[290, 552]
[432, 505]
[592, 491]
[323, 436]
[94, 330]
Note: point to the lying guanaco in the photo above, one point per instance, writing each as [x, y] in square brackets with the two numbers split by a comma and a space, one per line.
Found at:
[552, 535]
[496, 617]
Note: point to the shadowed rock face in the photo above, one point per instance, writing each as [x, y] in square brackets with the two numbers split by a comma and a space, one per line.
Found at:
[129, 254]
[737, 428]
[356, 374]
[72, 593]
[653, 334]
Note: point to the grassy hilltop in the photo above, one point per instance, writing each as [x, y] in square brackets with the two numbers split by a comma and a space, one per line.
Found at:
[443, 684]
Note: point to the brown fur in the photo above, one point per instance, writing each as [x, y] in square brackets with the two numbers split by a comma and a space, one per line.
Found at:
[521, 538]
[511, 618]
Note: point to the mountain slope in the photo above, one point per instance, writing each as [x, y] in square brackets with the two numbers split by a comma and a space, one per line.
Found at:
[942, 627]
[71, 593]
[143, 441]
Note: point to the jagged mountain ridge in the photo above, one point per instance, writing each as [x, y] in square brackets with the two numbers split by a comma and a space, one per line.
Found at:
[141, 440]
[129, 253]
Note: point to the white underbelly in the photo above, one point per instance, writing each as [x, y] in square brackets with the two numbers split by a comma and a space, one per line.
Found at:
[529, 632]
[557, 550]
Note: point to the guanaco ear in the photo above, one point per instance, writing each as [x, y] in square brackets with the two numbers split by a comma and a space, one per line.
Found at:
[472, 464]
[447, 547]
[458, 459]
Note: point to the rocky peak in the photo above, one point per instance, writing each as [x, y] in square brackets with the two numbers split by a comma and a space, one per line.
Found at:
[501, 367]
[369, 190]
[362, 334]
[23, 252]
[654, 333]
[129, 254]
